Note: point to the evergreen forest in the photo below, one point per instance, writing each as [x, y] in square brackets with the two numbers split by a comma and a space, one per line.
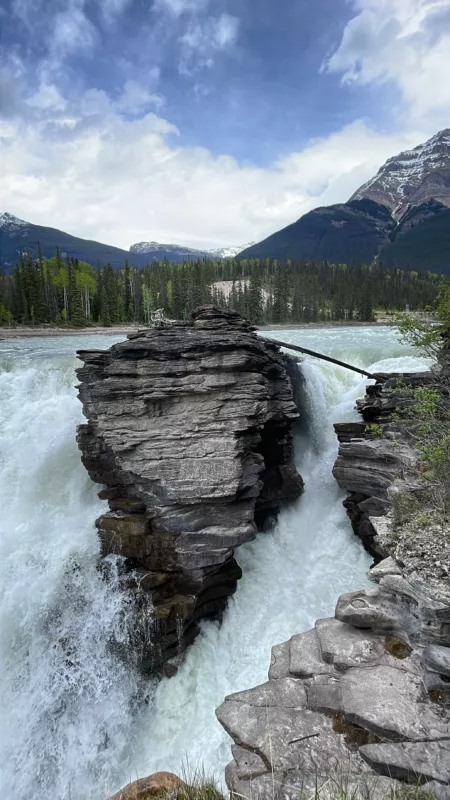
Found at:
[65, 291]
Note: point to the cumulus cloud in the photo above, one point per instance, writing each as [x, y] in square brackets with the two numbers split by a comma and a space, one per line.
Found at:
[404, 42]
[135, 98]
[108, 166]
[47, 98]
[122, 180]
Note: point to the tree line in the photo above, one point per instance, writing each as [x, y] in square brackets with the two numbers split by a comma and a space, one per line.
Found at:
[65, 291]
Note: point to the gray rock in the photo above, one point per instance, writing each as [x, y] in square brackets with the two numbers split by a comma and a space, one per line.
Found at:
[285, 738]
[369, 467]
[437, 658]
[379, 611]
[437, 790]
[410, 761]
[345, 646]
[306, 656]
[388, 566]
[248, 764]
[283, 693]
[261, 787]
[391, 703]
[190, 431]
[279, 661]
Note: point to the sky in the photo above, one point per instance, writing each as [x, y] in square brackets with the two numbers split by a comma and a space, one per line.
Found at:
[209, 122]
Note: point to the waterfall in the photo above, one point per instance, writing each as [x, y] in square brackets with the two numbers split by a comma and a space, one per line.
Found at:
[77, 720]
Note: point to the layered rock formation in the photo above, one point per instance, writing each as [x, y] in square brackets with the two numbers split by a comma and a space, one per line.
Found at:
[362, 699]
[190, 430]
[359, 696]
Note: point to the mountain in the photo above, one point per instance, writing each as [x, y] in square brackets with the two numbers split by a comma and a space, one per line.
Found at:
[400, 218]
[174, 252]
[17, 236]
[187, 252]
[229, 252]
[412, 178]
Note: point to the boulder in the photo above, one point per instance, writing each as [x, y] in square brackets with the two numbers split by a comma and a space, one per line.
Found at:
[410, 761]
[157, 785]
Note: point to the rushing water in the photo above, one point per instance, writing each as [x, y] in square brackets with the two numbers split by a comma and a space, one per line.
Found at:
[76, 721]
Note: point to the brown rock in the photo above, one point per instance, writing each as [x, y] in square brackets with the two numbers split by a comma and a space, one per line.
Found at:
[156, 785]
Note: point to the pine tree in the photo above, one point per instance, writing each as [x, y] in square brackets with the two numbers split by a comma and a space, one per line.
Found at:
[255, 303]
[76, 315]
[280, 297]
[127, 302]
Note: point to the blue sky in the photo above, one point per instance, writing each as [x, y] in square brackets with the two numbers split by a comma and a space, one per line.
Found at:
[209, 121]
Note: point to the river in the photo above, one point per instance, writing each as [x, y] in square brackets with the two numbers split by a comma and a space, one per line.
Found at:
[77, 722]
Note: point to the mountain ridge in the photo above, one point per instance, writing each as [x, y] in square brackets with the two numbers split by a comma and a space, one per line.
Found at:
[400, 217]
[18, 235]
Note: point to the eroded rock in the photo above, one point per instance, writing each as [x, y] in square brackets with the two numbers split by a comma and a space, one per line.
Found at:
[190, 430]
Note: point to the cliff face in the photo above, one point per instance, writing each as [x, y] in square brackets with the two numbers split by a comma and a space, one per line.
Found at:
[190, 430]
[365, 693]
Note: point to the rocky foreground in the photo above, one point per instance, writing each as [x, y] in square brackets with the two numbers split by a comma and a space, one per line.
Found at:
[363, 699]
[190, 431]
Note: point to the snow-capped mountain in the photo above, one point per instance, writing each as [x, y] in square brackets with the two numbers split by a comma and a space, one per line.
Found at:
[10, 223]
[19, 236]
[413, 177]
[157, 249]
[229, 252]
[400, 218]
[180, 250]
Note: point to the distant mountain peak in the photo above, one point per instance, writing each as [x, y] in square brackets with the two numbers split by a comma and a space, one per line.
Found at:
[145, 248]
[412, 177]
[8, 220]
[157, 247]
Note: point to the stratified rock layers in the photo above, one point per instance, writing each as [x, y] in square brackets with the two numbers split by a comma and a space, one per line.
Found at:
[189, 429]
[362, 700]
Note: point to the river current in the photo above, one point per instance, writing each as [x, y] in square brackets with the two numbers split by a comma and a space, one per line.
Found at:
[77, 722]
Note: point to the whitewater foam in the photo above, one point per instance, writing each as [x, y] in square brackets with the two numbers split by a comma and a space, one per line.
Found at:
[77, 721]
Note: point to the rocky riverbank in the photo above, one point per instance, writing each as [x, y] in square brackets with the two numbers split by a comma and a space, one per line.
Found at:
[363, 697]
[190, 431]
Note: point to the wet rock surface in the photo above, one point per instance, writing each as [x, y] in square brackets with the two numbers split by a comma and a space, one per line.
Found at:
[190, 431]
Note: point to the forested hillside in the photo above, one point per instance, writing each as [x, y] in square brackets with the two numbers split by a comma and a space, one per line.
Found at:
[57, 291]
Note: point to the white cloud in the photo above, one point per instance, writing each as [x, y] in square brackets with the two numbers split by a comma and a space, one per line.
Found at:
[225, 30]
[71, 29]
[403, 41]
[47, 98]
[178, 7]
[109, 176]
[203, 38]
[123, 180]
[135, 98]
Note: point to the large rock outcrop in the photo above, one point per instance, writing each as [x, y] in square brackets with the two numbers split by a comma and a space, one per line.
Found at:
[190, 430]
[359, 696]
[363, 699]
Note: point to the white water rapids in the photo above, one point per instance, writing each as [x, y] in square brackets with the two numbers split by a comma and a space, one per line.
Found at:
[75, 722]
